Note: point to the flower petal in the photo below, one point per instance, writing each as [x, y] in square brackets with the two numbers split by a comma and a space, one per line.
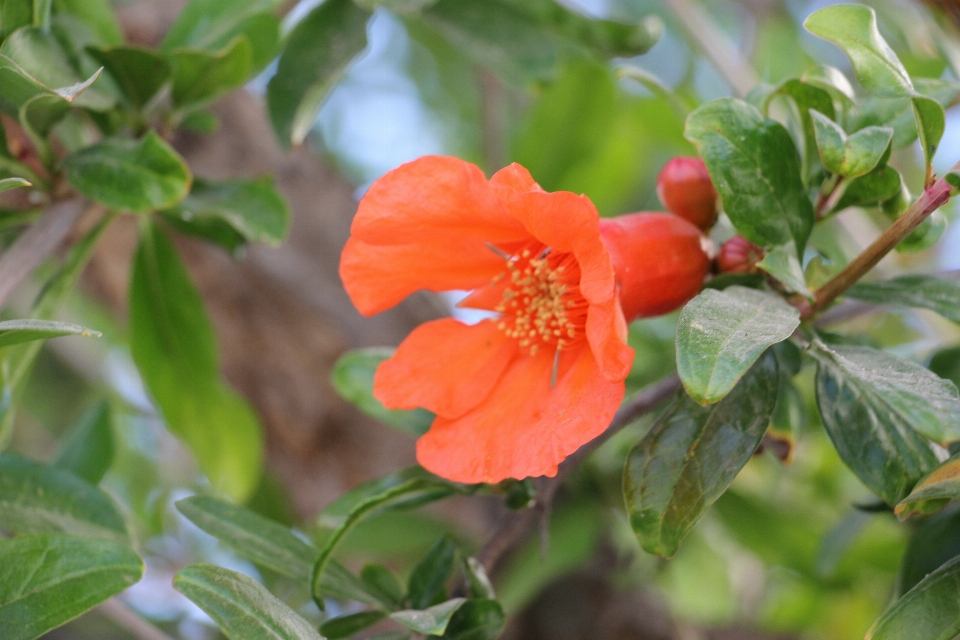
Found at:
[524, 427]
[379, 276]
[431, 200]
[444, 366]
[513, 179]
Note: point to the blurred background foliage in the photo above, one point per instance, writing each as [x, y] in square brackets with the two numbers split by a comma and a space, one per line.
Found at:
[792, 550]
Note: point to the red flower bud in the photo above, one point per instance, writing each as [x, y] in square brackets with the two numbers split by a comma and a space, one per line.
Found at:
[684, 187]
[739, 255]
[658, 259]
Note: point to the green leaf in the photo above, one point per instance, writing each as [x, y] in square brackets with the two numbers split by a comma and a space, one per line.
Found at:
[807, 97]
[431, 621]
[13, 15]
[941, 295]
[927, 234]
[782, 263]
[476, 620]
[478, 580]
[755, 167]
[854, 156]
[252, 209]
[253, 536]
[7, 184]
[18, 331]
[929, 610]
[314, 58]
[130, 175]
[87, 451]
[98, 15]
[271, 545]
[720, 334]
[140, 73]
[428, 578]
[35, 498]
[933, 491]
[692, 454]
[346, 626]
[17, 88]
[210, 25]
[931, 123]
[899, 114]
[874, 407]
[241, 606]
[48, 580]
[173, 345]
[934, 541]
[853, 28]
[43, 59]
[200, 77]
[871, 190]
[379, 580]
[352, 377]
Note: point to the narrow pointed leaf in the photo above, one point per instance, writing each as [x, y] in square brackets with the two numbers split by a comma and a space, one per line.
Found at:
[13, 183]
[431, 621]
[35, 498]
[428, 578]
[476, 620]
[379, 580]
[346, 626]
[875, 406]
[18, 331]
[48, 580]
[931, 123]
[938, 294]
[720, 334]
[756, 169]
[692, 454]
[241, 606]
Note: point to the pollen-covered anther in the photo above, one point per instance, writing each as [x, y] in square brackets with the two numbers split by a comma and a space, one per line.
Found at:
[542, 305]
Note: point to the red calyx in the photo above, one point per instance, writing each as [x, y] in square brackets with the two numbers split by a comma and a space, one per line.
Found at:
[685, 188]
[658, 259]
[739, 255]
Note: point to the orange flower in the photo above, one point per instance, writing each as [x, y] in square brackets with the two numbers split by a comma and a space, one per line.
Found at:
[517, 394]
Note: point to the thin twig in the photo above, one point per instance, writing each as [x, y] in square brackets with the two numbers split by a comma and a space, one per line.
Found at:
[515, 526]
[933, 198]
[130, 620]
[37, 243]
[705, 35]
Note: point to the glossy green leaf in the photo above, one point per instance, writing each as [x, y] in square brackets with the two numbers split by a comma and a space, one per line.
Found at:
[782, 263]
[692, 454]
[35, 498]
[874, 406]
[929, 610]
[7, 184]
[87, 451]
[871, 190]
[200, 77]
[853, 28]
[271, 545]
[428, 578]
[316, 53]
[130, 175]
[430, 621]
[938, 294]
[241, 606]
[139, 72]
[251, 211]
[379, 580]
[720, 334]
[854, 156]
[933, 491]
[210, 25]
[173, 345]
[253, 536]
[48, 580]
[933, 542]
[476, 620]
[352, 377]
[18, 331]
[41, 56]
[98, 15]
[17, 88]
[931, 123]
[807, 97]
[755, 167]
[346, 626]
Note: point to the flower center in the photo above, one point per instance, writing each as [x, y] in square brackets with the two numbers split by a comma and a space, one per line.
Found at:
[542, 305]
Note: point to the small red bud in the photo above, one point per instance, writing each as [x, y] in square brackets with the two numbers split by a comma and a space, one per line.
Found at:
[685, 189]
[658, 259]
[739, 255]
